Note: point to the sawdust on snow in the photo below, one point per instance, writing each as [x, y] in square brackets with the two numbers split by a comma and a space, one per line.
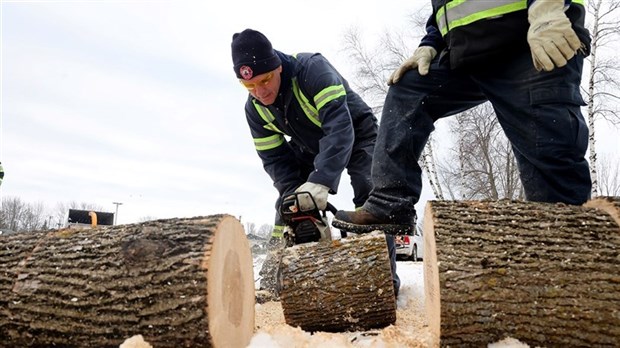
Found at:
[409, 330]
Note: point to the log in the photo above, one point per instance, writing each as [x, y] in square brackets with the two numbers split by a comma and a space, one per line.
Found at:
[177, 282]
[339, 285]
[545, 274]
[610, 205]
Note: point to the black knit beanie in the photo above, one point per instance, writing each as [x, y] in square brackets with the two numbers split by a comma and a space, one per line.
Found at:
[252, 54]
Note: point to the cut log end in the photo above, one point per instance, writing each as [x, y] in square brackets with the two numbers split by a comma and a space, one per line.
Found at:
[176, 282]
[431, 277]
[230, 287]
[610, 205]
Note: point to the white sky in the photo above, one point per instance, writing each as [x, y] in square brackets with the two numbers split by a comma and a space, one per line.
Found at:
[136, 101]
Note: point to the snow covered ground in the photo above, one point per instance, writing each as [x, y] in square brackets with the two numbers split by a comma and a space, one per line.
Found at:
[410, 329]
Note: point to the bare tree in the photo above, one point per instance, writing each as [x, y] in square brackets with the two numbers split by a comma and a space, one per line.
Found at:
[250, 228]
[602, 84]
[264, 230]
[147, 218]
[19, 216]
[374, 66]
[485, 164]
[13, 209]
[609, 176]
[34, 217]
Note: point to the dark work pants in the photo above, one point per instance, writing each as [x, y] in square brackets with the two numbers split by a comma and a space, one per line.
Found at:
[538, 111]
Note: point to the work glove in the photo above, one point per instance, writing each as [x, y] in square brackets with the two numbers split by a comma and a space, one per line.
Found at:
[318, 191]
[551, 37]
[421, 59]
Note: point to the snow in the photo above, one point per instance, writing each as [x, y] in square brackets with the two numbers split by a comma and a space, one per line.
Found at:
[410, 329]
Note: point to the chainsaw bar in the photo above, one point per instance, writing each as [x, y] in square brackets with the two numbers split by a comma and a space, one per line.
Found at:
[385, 228]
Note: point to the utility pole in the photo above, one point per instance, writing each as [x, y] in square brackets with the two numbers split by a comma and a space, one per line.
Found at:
[116, 214]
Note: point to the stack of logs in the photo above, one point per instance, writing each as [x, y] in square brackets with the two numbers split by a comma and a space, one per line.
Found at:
[546, 274]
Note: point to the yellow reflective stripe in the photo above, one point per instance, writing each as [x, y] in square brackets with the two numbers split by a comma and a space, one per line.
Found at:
[498, 11]
[463, 12]
[278, 231]
[328, 94]
[311, 112]
[264, 113]
[268, 143]
[267, 116]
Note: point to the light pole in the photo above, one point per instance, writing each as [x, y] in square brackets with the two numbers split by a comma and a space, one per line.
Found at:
[116, 214]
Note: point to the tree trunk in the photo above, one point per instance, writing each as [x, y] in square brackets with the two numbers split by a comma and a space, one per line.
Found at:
[336, 286]
[177, 282]
[546, 274]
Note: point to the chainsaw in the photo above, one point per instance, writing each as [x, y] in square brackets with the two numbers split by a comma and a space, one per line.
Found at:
[305, 226]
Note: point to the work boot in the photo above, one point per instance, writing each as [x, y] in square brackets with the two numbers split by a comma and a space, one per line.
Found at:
[362, 221]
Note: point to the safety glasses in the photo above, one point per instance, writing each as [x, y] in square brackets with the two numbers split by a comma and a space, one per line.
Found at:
[263, 82]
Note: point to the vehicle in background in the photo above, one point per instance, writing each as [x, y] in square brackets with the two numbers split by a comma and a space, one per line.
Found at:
[87, 218]
[410, 247]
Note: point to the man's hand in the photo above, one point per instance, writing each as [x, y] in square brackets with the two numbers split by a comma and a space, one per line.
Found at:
[551, 36]
[421, 59]
[318, 191]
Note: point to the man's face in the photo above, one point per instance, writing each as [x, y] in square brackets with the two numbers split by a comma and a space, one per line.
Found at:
[264, 87]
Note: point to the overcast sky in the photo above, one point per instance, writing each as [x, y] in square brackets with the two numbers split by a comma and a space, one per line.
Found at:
[136, 101]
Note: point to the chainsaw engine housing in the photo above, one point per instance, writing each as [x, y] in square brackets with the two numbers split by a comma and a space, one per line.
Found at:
[304, 226]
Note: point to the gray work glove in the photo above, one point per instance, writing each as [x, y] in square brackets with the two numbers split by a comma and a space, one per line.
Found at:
[421, 59]
[551, 36]
[318, 191]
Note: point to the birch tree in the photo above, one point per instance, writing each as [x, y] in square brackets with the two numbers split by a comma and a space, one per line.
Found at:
[602, 84]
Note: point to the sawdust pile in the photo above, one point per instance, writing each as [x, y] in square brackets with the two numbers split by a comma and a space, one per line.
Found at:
[410, 330]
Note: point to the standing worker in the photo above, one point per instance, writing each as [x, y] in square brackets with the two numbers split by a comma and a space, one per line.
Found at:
[1, 173]
[303, 97]
[526, 59]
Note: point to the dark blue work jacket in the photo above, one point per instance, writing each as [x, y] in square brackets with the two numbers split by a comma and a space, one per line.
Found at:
[314, 123]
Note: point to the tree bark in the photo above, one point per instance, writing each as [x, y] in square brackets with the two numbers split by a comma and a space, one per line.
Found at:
[177, 282]
[545, 274]
[336, 286]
